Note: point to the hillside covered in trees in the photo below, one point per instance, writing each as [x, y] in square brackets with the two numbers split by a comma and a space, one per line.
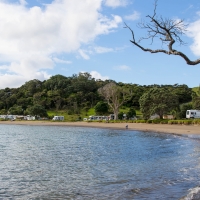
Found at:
[80, 92]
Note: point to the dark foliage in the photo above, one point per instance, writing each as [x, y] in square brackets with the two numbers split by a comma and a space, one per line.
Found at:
[73, 94]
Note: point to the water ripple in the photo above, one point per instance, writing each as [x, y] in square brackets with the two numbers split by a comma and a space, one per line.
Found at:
[41, 162]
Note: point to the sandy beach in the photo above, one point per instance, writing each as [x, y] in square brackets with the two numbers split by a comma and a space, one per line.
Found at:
[161, 128]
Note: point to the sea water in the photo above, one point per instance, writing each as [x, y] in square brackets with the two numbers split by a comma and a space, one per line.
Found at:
[58, 162]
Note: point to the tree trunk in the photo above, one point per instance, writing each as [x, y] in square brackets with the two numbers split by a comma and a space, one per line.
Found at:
[116, 112]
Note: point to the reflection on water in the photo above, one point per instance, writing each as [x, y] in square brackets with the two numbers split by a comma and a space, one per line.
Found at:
[40, 162]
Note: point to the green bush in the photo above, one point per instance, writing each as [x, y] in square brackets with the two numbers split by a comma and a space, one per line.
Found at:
[187, 122]
[70, 112]
[130, 121]
[50, 116]
[157, 121]
[101, 108]
[1, 119]
[141, 121]
[120, 115]
[165, 121]
[196, 121]
[171, 122]
[118, 121]
[179, 121]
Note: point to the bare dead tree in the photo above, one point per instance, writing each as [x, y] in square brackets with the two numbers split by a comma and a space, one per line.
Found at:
[169, 31]
[115, 96]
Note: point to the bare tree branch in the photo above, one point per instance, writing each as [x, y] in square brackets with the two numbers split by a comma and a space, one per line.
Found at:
[169, 31]
[115, 96]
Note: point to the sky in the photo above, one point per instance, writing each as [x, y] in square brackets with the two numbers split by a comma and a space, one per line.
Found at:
[42, 38]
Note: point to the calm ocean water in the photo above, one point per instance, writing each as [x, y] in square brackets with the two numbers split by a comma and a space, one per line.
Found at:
[40, 162]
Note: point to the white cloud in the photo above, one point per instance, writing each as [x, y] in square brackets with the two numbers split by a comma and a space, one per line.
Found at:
[194, 33]
[12, 81]
[122, 67]
[83, 54]
[133, 17]
[3, 67]
[23, 2]
[57, 60]
[103, 49]
[97, 75]
[30, 36]
[116, 3]
[17, 73]
[28, 67]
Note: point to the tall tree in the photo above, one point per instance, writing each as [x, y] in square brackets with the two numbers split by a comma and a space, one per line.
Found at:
[131, 113]
[101, 108]
[36, 110]
[168, 31]
[16, 110]
[114, 95]
[158, 100]
[182, 111]
[196, 100]
[183, 92]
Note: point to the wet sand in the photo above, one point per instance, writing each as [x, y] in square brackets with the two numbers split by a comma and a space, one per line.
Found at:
[161, 128]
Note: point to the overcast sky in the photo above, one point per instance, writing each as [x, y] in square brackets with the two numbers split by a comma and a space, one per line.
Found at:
[41, 38]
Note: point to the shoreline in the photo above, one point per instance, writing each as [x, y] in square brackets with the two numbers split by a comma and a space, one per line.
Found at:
[159, 128]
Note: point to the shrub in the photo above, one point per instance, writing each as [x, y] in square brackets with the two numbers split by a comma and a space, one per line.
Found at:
[131, 113]
[101, 108]
[149, 121]
[180, 121]
[70, 112]
[171, 122]
[164, 121]
[187, 122]
[141, 121]
[2, 119]
[196, 121]
[157, 121]
[120, 115]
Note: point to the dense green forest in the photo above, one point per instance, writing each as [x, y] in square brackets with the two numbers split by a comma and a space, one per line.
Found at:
[79, 92]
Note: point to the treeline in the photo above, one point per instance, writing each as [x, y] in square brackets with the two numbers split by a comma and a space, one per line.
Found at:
[75, 93]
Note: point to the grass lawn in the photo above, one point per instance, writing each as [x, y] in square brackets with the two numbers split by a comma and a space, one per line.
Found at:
[83, 114]
[73, 117]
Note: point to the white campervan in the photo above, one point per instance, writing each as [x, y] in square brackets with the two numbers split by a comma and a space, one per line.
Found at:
[194, 114]
[60, 118]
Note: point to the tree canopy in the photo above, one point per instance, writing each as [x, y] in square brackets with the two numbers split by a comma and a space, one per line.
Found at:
[158, 101]
[81, 92]
[101, 108]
